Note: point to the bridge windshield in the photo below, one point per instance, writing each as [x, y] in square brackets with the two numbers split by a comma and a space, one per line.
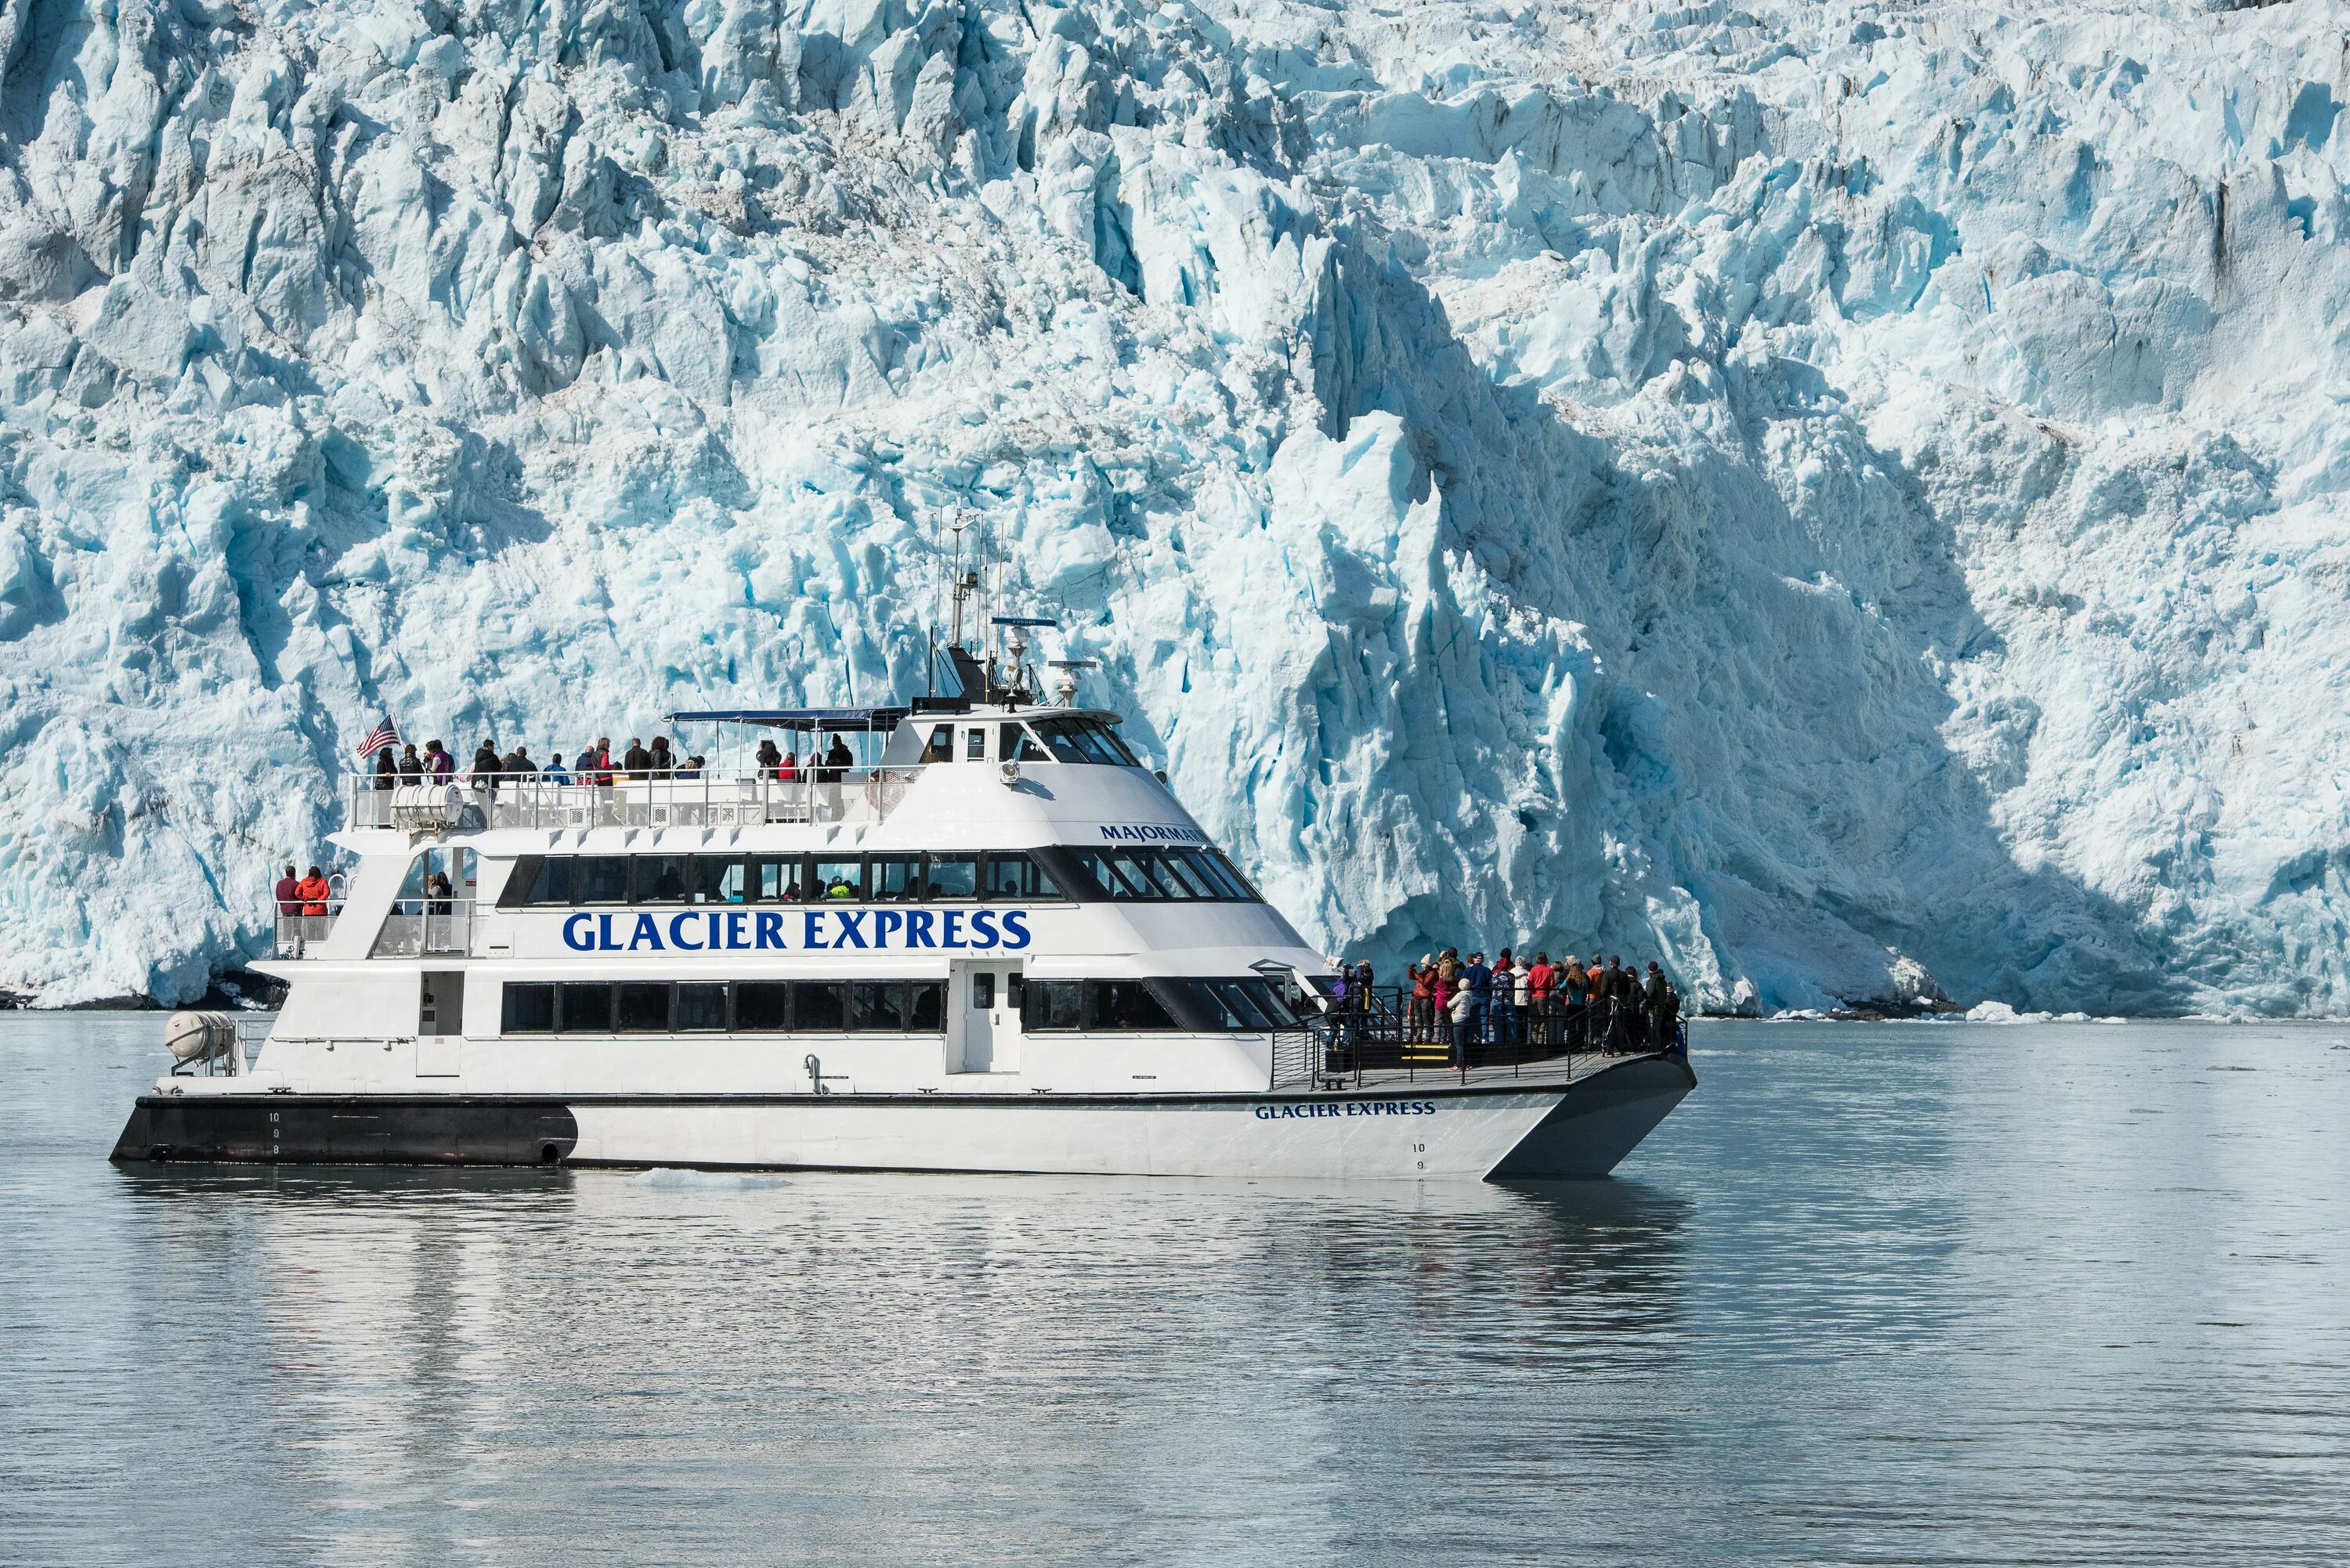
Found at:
[1084, 741]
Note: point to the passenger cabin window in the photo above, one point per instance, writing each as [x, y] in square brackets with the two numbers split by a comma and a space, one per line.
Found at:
[1017, 745]
[895, 878]
[974, 744]
[940, 747]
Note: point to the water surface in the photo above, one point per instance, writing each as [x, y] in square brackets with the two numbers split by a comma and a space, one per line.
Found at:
[1874, 1294]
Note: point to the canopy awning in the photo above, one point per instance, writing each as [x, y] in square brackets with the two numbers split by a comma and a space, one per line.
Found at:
[798, 718]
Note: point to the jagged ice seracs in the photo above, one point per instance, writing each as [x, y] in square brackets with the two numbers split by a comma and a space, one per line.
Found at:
[1844, 497]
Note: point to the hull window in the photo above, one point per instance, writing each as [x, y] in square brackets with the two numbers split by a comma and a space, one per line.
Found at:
[1054, 1005]
[528, 1009]
[643, 1008]
[762, 1006]
[819, 1006]
[701, 1007]
[583, 1009]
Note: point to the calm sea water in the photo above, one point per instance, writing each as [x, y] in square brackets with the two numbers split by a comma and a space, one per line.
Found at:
[1875, 1294]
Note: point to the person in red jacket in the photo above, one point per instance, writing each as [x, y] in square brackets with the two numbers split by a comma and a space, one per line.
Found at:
[314, 890]
[1541, 981]
[289, 892]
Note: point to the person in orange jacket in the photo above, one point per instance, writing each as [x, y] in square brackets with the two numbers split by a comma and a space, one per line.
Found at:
[314, 890]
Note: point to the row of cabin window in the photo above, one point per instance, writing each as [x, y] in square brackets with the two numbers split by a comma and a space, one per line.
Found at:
[1246, 1004]
[717, 1007]
[575, 879]
[1117, 875]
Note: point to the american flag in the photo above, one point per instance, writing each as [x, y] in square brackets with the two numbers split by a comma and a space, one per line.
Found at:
[382, 735]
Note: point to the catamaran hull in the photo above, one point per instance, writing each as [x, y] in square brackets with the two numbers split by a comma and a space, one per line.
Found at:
[1504, 1131]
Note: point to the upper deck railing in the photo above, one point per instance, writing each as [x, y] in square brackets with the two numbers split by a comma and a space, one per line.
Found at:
[843, 794]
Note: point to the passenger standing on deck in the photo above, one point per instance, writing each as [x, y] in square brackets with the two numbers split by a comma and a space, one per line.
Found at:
[1664, 1011]
[636, 762]
[314, 890]
[516, 765]
[485, 767]
[837, 761]
[770, 760]
[439, 763]
[1504, 1000]
[1522, 998]
[411, 766]
[1542, 983]
[661, 761]
[1423, 1000]
[1462, 1023]
[555, 772]
[1477, 979]
[289, 892]
[1446, 986]
[387, 774]
[1573, 989]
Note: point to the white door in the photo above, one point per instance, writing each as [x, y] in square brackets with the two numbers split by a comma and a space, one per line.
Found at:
[987, 1012]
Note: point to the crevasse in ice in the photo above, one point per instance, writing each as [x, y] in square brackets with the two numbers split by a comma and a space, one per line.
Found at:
[1840, 495]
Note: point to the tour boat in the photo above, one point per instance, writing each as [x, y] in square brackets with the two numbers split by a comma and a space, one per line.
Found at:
[996, 942]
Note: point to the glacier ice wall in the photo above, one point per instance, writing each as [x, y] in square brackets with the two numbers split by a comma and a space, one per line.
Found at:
[1843, 496]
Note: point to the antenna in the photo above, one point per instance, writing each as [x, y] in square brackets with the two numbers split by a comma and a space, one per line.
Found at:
[1016, 643]
[1066, 685]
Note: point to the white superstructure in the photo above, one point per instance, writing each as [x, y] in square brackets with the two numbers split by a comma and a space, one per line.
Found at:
[994, 942]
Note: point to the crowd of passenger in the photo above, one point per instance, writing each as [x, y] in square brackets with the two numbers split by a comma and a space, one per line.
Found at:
[594, 764]
[1502, 1010]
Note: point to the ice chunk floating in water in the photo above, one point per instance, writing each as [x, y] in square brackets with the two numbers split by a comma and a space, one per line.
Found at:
[1842, 497]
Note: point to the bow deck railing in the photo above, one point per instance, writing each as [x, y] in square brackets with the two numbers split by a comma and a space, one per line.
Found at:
[504, 800]
[1378, 1034]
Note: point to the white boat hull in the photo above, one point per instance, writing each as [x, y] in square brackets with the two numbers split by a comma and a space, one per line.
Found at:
[1531, 1132]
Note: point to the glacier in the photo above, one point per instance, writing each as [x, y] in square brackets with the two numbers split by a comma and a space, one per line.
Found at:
[1840, 496]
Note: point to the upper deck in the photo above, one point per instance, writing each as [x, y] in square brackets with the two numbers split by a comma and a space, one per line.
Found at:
[1063, 763]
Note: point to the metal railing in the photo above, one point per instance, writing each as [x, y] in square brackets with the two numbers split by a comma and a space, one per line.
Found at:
[1380, 1030]
[419, 926]
[506, 800]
